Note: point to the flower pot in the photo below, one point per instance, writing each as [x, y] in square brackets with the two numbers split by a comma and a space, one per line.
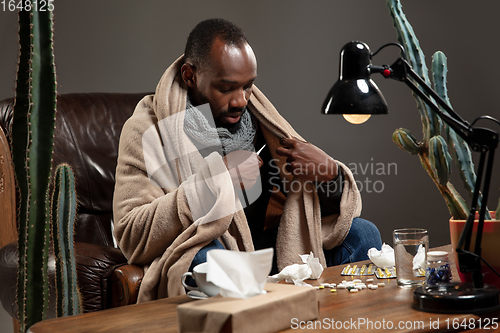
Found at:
[490, 245]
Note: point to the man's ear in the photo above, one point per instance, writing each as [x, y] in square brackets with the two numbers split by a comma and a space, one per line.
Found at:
[188, 74]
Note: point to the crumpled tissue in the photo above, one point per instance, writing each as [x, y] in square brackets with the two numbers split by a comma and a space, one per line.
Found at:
[311, 269]
[383, 258]
[239, 274]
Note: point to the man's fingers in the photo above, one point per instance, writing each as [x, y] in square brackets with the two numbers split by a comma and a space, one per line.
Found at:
[289, 142]
[283, 151]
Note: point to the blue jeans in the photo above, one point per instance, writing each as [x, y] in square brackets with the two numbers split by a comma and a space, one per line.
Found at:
[362, 236]
[201, 256]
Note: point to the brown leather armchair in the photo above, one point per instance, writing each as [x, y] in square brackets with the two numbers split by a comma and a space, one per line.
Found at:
[87, 132]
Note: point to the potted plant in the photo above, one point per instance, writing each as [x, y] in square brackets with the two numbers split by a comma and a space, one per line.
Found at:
[436, 152]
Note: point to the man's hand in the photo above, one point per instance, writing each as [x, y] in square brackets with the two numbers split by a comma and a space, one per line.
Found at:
[243, 167]
[306, 161]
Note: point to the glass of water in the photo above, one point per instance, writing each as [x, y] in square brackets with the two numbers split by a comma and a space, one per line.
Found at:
[410, 249]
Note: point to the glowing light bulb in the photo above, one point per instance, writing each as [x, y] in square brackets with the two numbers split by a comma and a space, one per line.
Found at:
[357, 119]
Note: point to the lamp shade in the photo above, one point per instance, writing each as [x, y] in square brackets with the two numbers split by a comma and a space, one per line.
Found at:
[355, 92]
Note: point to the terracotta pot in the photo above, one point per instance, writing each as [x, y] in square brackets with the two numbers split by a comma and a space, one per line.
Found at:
[490, 244]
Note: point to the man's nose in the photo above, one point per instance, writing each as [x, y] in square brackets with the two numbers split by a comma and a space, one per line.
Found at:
[240, 99]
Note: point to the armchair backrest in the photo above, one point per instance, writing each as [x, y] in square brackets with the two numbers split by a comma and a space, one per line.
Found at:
[88, 127]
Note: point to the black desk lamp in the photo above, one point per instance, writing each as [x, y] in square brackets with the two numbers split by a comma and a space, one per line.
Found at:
[355, 93]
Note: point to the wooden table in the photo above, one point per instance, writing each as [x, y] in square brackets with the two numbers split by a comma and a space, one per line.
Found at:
[367, 310]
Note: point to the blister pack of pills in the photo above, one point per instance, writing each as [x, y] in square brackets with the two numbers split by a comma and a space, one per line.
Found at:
[359, 271]
[385, 273]
[371, 269]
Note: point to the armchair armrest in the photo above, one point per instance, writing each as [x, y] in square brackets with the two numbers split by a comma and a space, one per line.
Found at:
[95, 266]
[125, 282]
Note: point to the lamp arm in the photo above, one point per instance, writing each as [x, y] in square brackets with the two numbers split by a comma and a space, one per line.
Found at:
[482, 140]
[401, 71]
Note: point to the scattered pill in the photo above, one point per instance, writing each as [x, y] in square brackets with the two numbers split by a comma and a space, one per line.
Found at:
[357, 281]
[329, 285]
[321, 287]
[381, 284]
[369, 280]
[333, 290]
[353, 290]
[374, 287]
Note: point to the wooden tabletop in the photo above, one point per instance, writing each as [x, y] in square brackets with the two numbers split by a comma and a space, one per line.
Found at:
[387, 309]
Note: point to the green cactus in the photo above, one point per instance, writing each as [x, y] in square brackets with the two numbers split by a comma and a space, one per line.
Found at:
[63, 223]
[32, 147]
[461, 152]
[406, 141]
[32, 144]
[440, 159]
[406, 37]
[435, 154]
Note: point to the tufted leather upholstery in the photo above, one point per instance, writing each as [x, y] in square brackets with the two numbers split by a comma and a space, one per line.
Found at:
[87, 132]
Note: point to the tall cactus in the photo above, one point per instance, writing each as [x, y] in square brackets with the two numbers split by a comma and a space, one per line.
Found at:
[63, 223]
[32, 145]
[434, 151]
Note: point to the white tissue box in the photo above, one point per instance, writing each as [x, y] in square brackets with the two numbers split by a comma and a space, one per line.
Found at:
[270, 312]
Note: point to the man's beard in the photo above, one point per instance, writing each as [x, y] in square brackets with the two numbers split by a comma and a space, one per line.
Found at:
[232, 128]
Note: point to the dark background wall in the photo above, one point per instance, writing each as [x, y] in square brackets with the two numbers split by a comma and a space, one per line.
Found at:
[124, 46]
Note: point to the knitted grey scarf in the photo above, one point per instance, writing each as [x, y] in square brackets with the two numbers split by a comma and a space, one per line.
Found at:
[200, 127]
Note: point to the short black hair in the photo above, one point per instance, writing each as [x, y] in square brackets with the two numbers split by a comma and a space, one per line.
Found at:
[201, 39]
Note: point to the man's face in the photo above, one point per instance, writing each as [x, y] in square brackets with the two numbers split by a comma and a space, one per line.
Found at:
[225, 82]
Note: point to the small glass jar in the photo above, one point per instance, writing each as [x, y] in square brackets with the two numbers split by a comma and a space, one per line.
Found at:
[438, 269]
